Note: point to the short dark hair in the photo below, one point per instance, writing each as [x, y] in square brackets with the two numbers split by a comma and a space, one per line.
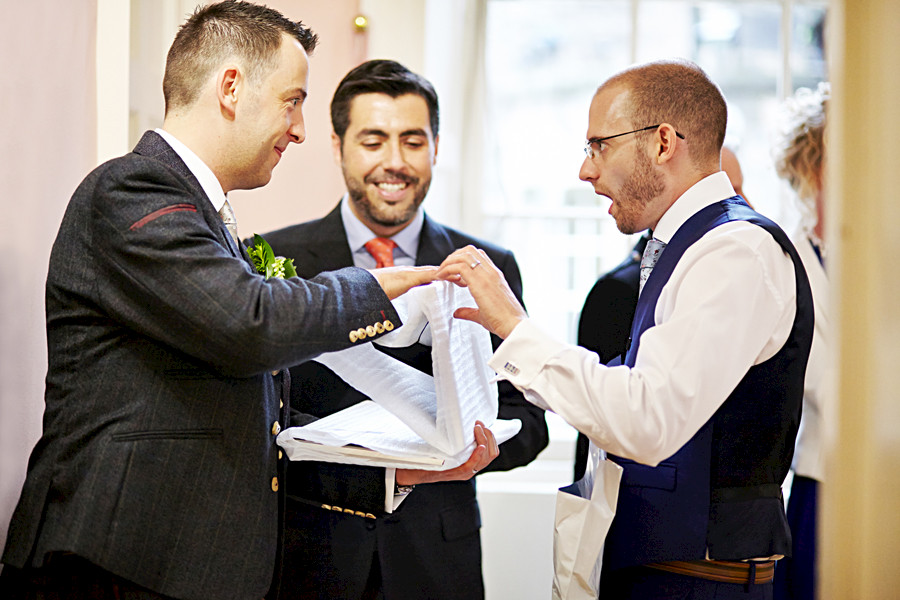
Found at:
[380, 77]
[678, 92]
[217, 31]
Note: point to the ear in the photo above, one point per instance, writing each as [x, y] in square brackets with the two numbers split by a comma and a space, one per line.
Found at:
[667, 141]
[228, 82]
[437, 138]
[336, 150]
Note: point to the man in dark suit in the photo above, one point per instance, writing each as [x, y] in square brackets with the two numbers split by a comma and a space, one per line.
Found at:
[157, 473]
[385, 138]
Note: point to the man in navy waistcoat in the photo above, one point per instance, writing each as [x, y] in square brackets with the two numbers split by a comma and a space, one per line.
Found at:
[703, 413]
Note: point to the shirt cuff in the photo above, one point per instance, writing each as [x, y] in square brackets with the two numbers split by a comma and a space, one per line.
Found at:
[391, 500]
[523, 354]
[389, 478]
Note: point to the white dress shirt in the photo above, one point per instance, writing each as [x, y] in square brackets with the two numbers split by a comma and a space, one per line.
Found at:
[407, 240]
[729, 304]
[199, 169]
[818, 387]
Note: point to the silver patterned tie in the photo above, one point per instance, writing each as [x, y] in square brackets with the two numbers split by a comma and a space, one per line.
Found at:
[227, 215]
[648, 259]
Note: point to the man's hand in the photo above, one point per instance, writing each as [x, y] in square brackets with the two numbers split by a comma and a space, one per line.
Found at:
[396, 281]
[498, 309]
[486, 450]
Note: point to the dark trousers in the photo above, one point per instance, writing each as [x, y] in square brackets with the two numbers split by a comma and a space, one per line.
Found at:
[69, 577]
[644, 583]
[795, 577]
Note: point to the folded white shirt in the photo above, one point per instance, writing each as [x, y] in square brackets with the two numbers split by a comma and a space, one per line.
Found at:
[412, 414]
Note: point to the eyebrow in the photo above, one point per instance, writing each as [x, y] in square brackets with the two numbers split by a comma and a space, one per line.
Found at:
[297, 92]
[382, 133]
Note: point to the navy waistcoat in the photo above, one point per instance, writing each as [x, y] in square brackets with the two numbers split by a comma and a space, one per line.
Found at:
[722, 489]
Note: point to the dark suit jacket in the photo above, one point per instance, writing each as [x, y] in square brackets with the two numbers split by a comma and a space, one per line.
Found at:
[158, 459]
[428, 548]
[605, 322]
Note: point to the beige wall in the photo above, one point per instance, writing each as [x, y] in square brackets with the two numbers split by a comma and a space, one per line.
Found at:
[861, 521]
[48, 145]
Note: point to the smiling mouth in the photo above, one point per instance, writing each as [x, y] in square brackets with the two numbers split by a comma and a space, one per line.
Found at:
[390, 186]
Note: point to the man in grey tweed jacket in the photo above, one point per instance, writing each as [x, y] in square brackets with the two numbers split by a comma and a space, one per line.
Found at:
[157, 473]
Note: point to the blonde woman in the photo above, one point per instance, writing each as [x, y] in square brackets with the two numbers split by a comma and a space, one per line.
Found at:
[800, 160]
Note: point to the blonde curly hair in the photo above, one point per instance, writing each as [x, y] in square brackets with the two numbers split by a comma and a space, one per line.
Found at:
[800, 148]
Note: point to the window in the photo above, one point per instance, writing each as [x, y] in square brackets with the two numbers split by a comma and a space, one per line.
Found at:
[543, 61]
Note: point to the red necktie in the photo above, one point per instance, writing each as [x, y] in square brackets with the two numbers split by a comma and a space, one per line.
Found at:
[383, 251]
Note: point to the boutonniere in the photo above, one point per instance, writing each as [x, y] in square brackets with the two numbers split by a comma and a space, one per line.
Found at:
[267, 263]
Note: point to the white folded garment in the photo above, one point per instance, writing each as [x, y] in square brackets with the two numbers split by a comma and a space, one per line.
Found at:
[414, 414]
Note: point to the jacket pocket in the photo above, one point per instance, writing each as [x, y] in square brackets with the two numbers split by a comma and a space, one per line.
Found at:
[662, 476]
[169, 434]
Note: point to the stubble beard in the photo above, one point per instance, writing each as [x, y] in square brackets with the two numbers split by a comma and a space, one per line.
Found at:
[385, 215]
[639, 190]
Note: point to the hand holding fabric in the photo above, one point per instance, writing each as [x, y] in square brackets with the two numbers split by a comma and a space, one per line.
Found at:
[486, 450]
[498, 309]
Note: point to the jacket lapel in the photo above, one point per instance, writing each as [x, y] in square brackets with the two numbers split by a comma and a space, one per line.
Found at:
[152, 145]
[325, 246]
[434, 244]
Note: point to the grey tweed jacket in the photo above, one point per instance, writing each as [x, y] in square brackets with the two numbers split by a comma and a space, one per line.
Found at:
[158, 459]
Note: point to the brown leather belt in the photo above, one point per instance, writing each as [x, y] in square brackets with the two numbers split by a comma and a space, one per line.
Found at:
[720, 570]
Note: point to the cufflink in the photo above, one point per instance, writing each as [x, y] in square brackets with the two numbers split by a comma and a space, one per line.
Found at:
[511, 368]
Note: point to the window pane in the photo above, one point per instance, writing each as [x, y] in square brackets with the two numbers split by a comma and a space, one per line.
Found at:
[544, 60]
[808, 46]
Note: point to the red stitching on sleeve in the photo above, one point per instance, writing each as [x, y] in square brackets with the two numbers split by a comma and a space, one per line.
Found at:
[163, 211]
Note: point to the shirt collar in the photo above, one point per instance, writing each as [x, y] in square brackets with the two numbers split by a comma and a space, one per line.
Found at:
[208, 181]
[708, 190]
[407, 239]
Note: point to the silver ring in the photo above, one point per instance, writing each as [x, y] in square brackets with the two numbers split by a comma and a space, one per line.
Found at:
[475, 264]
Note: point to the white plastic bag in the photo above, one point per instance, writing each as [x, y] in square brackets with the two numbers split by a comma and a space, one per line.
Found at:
[584, 512]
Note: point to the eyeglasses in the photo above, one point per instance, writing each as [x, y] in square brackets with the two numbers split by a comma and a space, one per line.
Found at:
[589, 145]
